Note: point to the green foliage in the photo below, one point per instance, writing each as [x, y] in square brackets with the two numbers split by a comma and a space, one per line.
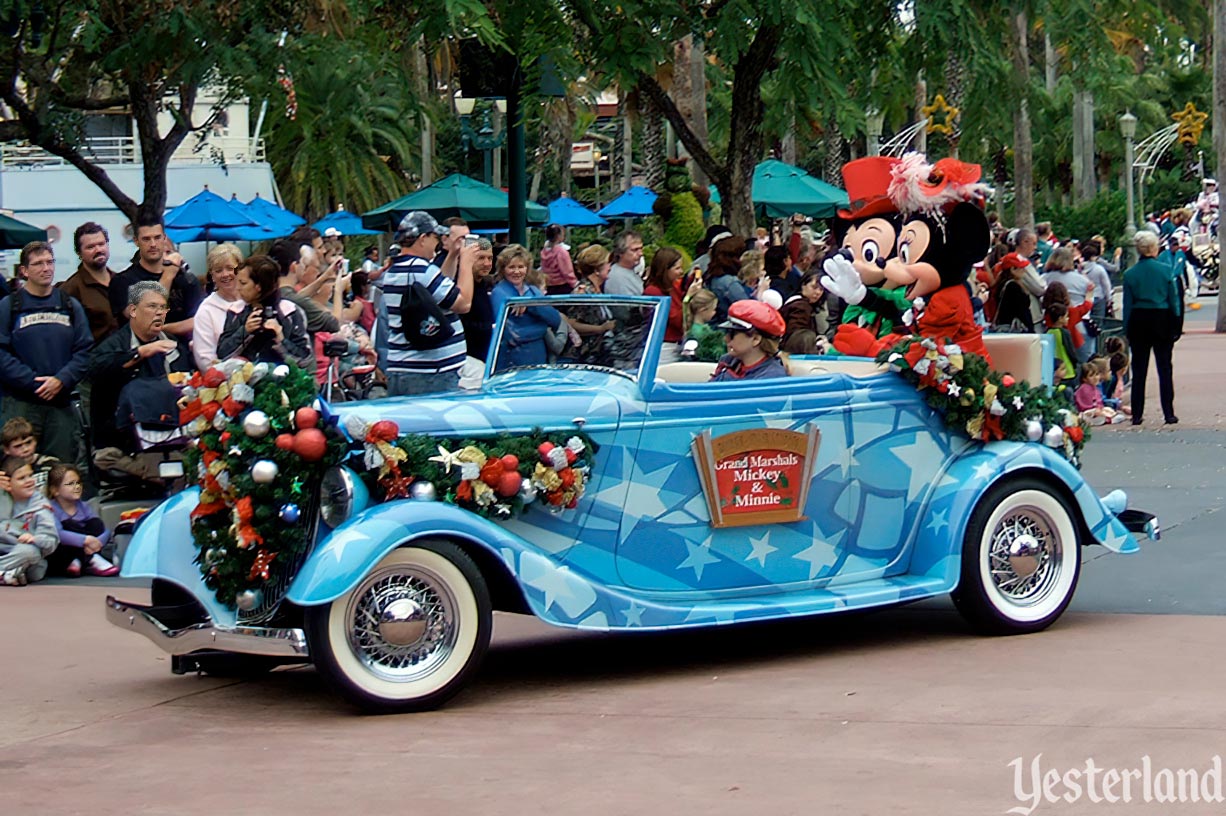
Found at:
[1104, 215]
[685, 228]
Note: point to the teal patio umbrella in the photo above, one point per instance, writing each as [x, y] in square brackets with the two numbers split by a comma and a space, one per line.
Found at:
[780, 190]
[456, 196]
[15, 234]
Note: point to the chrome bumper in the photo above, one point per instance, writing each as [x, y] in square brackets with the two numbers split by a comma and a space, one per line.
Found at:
[252, 640]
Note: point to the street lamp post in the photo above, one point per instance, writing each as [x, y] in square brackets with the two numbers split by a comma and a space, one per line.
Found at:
[487, 138]
[1128, 129]
[874, 122]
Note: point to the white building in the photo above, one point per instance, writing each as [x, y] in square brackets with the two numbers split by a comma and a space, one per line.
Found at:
[44, 190]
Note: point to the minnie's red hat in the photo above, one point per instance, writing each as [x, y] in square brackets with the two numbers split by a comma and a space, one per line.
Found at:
[867, 182]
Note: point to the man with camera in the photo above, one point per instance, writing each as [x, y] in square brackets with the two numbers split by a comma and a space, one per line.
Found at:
[155, 265]
[426, 343]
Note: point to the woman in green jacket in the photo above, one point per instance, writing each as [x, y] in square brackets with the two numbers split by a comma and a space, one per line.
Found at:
[1151, 321]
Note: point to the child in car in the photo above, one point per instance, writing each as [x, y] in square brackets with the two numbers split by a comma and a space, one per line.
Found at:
[753, 332]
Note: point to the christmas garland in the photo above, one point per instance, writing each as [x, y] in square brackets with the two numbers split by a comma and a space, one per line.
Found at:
[495, 478]
[985, 404]
[249, 521]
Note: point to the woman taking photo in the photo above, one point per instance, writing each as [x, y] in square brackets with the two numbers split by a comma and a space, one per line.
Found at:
[1011, 297]
[268, 329]
[555, 262]
[523, 334]
[1151, 321]
[221, 280]
[664, 280]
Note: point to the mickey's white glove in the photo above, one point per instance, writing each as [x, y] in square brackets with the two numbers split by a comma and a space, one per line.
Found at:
[842, 279]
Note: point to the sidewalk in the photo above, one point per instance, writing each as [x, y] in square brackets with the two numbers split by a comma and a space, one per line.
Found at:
[1200, 373]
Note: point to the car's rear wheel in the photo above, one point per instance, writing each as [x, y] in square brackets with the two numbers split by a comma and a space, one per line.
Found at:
[1020, 559]
[409, 635]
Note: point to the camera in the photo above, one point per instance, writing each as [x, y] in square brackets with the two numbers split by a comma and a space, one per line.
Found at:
[270, 313]
[345, 266]
[471, 240]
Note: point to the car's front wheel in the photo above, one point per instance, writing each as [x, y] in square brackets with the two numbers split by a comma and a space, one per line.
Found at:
[409, 635]
[1020, 559]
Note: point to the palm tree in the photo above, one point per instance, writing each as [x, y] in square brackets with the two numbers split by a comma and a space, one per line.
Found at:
[350, 141]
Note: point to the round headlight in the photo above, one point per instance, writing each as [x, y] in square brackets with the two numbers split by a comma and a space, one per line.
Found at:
[336, 496]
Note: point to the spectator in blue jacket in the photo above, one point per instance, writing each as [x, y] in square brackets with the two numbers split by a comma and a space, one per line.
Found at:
[44, 349]
[523, 337]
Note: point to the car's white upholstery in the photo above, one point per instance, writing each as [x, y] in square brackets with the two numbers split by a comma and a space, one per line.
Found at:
[1017, 354]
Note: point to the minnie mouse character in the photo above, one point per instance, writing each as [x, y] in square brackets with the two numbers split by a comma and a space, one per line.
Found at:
[941, 236]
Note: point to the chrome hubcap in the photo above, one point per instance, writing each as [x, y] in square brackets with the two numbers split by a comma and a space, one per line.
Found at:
[402, 623]
[1024, 556]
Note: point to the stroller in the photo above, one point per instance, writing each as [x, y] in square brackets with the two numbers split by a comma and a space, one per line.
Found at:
[350, 373]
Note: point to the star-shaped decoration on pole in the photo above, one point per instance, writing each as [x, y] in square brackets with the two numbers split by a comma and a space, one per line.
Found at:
[941, 116]
[1191, 123]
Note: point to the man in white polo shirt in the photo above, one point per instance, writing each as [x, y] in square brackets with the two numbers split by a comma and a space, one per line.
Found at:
[425, 354]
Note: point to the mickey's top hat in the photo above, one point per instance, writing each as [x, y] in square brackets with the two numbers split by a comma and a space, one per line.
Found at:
[867, 181]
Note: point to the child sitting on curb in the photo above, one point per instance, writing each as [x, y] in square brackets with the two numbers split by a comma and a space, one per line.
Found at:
[82, 535]
[27, 528]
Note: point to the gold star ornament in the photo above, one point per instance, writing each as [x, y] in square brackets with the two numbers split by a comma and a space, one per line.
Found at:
[1191, 123]
[941, 116]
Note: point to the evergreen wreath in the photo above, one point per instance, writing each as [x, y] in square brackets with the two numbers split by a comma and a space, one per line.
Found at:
[496, 477]
[258, 453]
[984, 404]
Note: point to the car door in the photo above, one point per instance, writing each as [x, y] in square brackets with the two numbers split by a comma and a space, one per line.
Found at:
[861, 455]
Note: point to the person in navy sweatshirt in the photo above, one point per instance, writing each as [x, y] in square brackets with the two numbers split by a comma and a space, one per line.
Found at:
[44, 349]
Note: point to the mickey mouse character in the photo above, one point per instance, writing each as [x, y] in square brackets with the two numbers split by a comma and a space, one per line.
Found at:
[942, 235]
[867, 233]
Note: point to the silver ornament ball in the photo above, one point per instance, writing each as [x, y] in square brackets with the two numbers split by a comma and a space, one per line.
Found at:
[1054, 437]
[280, 372]
[249, 599]
[1034, 430]
[256, 424]
[527, 492]
[422, 491]
[264, 471]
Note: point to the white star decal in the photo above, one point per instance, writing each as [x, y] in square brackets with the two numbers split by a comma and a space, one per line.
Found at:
[848, 460]
[761, 549]
[922, 457]
[698, 558]
[984, 471]
[816, 554]
[634, 615]
[778, 419]
[938, 521]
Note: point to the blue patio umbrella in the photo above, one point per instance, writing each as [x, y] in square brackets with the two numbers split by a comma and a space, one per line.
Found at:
[198, 218]
[345, 222]
[264, 209]
[567, 212]
[634, 203]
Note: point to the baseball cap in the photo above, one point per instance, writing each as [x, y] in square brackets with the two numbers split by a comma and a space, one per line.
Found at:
[418, 223]
[332, 232]
[754, 315]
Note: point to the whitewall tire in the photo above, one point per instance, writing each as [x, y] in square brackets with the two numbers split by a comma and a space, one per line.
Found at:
[409, 635]
[1020, 559]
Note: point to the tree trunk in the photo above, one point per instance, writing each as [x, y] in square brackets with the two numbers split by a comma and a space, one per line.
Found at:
[1219, 137]
[832, 154]
[787, 150]
[920, 143]
[955, 87]
[1023, 147]
[651, 121]
[1084, 177]
[1050, 65]
[427, 128]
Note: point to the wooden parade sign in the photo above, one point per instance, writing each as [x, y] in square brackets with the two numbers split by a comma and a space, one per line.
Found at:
[759, 476]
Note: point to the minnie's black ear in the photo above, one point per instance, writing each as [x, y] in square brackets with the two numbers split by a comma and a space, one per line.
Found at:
[968, 228]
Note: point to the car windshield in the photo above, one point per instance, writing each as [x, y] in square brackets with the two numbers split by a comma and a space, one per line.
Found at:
[573, 331]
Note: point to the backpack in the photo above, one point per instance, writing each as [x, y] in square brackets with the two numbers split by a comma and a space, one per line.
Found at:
[422, 321]
[18, 308]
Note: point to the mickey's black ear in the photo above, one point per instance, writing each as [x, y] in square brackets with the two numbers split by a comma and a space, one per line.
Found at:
[970, 225]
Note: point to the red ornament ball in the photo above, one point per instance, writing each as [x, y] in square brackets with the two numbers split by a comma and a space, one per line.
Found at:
[213, 378]
[305, 418]
[1007, 381]
[310, 444]
[1076, 434]
[225, 436]
[491, 472]
[510, 461]
[285, 441]
[382, 431]
[510, 483]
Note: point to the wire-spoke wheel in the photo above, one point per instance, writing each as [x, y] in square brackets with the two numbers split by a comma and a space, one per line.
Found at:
[409, 635]
[1020, 559]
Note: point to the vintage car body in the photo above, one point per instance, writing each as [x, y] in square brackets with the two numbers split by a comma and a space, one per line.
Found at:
[897, 508]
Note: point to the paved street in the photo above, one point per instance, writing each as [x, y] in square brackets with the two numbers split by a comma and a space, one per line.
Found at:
[901, 711]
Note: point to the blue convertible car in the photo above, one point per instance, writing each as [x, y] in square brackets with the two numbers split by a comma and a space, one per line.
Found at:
[692, 504]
